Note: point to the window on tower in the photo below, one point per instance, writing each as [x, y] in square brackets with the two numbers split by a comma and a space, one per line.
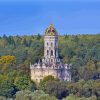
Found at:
[47, 43]
[55, 44]
[51, 52]
[51, 44]
[47, 52]
[55, 52]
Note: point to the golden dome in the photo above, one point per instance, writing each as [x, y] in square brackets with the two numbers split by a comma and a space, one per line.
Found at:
[50, 26]
[50, 31]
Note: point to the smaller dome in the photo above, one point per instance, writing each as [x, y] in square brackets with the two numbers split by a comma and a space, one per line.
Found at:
[51, 31]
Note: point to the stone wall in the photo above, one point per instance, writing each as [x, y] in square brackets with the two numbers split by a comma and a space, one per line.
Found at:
[38, 74]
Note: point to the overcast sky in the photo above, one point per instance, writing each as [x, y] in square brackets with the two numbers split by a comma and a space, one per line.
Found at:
[27, 17]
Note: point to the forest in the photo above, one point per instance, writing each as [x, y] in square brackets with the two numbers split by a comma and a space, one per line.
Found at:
[82, 51]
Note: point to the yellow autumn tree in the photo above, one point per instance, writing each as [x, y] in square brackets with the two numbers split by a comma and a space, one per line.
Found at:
[6, 62]
[7, 59]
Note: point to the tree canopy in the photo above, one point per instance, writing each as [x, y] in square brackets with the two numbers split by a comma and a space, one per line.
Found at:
[82, 51]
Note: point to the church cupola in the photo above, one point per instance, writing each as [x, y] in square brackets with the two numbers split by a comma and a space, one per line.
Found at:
[51, 31]
[50, 64]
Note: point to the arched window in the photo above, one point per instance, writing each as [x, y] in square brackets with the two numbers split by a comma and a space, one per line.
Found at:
[51, 60]
[55, 52]
[47, 43]
[51, 44]
[56, 43]
[47, 52]
[51, 52]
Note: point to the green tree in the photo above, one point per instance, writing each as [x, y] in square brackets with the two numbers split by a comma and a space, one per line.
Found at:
[23, 82]
[7, 88]
[23, 95]
[56, 88]
[40, 95]
[45, 80]
[2, 98]
[36, 95]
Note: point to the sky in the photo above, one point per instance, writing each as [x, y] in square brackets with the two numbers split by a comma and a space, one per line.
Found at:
[30, 17]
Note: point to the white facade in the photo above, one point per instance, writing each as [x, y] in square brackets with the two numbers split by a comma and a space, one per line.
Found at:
[51, 64]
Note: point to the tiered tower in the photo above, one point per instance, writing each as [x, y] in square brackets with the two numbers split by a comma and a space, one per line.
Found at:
[51, 64]
[51, 45]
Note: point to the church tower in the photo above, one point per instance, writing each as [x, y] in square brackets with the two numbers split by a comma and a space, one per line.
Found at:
[51, 45]
[50, 64]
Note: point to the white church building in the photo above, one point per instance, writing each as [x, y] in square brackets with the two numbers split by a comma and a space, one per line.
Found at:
[51, 64]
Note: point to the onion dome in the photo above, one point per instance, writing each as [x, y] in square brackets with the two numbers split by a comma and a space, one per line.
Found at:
[51, 31]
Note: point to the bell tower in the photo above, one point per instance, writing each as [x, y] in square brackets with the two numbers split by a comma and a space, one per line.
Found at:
[50, 64]
[51, 45]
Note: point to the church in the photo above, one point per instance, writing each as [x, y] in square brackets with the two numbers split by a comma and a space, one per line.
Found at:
[51, 63]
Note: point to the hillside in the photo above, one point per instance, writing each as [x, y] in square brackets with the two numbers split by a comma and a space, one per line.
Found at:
[16, 53]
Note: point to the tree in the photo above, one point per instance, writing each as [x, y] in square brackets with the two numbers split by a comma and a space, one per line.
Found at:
[40, 95]
[7, 88]
[2, 98]
[45, 80]
[75, 74]
[7, 59]
[53, 86]
[7, 63]
[11, 40]
[38, 37]
[36, 95]
[23, 82]
[56, 88]
[23, 95]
